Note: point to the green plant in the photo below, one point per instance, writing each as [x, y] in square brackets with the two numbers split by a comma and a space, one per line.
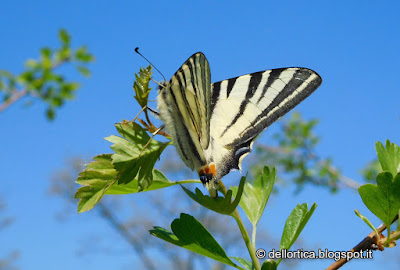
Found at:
[383, 199]
[40, 80]
[131, 169]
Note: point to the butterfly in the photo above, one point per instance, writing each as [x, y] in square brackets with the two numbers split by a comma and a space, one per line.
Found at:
[213, 126]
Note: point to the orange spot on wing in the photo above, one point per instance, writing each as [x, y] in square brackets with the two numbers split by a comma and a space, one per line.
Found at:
[208, 169]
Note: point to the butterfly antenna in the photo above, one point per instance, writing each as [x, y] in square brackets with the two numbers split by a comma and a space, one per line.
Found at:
[137, 51]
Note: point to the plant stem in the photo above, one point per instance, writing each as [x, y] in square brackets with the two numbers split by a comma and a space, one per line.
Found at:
[18, 94]
[253, 236]
[245, 235]
[366, 243]
[15, 96]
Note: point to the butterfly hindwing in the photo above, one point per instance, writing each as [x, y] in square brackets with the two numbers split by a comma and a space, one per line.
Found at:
[213, 126]
[244, 106]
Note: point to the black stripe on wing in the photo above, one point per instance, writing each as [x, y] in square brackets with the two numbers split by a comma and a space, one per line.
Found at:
[255, 81]
[187, 99]
[182, 127]
[273, 76]
[303, 83]
[289, 87]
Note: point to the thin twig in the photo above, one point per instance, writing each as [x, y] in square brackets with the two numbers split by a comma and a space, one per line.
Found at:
[18, 94]
[369, 242]
[15, 96]
[347, 181]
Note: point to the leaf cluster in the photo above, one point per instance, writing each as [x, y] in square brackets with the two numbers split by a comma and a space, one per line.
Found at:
[383, 198]
[40, 80]
[295, 152]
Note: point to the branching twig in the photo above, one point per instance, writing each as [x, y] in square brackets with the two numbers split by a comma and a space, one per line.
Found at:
[15, 96]
[369, 242]
[347, 181]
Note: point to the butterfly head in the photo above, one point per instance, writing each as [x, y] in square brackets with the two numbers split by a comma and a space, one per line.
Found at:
[207, 177]
[161, 85]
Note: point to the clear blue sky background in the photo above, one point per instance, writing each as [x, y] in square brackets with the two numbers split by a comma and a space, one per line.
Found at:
[353, 45]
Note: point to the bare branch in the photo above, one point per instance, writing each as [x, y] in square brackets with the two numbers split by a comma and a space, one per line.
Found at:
[15, 96]
[347, 181]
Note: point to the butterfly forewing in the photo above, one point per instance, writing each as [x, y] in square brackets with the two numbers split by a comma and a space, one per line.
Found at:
[217, 124]
[184, 106]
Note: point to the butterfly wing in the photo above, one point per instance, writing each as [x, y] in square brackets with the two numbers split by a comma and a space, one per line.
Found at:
[242, 107]
[184, 105]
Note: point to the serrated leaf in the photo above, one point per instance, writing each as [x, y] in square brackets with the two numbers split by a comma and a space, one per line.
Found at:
[384, 199]
[189, 233]
[141, 86]
[159, 181]
[389, 157]
[295, 223]
[222, 205]
[99, 179]
[269, 265]
[98, 176]
[132, 159]
[255, 195]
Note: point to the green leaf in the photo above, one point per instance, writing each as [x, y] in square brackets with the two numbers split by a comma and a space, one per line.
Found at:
[256, 195]
[269, 265]
[32, 63]
[84, 71]
[56, 101]
[135, 154]
[382, 200]
[98, 176]
[51, 114]
[248, 265]
[369, 223]
[64, 37]
[63, 54]
[141, 86]
[222, 205]
[189, 233]
[45, 52]
[159, 181]
[83, 55]
[295, 224]
[389, 157]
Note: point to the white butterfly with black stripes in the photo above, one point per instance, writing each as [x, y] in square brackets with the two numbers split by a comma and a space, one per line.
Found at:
[213, 126]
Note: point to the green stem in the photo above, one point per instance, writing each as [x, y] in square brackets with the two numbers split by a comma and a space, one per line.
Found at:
[188, 181]
[388, 236]
[398, 226]
[245, 235]
[395, 236]
[253, 236]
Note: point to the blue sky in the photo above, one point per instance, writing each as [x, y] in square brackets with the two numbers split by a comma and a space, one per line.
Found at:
[352, 45]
